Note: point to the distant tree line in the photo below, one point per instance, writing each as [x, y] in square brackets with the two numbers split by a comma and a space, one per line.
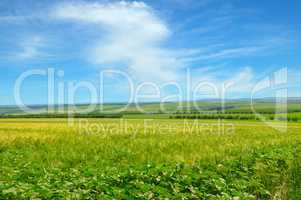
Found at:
[77, 115]
[236, 117]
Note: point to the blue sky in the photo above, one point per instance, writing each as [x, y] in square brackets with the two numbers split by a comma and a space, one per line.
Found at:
[237, 42]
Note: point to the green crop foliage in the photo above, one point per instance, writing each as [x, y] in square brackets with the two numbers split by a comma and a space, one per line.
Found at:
[148, 159]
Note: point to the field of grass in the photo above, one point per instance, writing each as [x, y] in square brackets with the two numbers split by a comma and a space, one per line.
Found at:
[148, 159]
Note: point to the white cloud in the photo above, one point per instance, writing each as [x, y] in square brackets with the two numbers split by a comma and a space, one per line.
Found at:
[242, 81]
[30, 48]
[227, 53]
[235, 82]
[16, 18]
[134, 36]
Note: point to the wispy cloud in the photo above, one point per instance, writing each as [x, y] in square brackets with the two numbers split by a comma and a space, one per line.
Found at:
[134, 36]
[216, 81]
[191, 3]
[16, 18]
[227, 53]
[31, 48]
[28, 48]
[242, 81]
